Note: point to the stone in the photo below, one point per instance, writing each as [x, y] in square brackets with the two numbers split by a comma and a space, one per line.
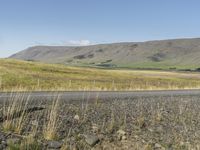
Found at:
[158, 146]
[91, 139]
[34, 123]
[54, 145]
[121, 135]
[95, 128]
[124, 137]
[121, 132]
[76, 117]
[3, 142]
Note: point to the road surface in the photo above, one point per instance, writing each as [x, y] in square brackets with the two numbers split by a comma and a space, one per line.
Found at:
[91, 95]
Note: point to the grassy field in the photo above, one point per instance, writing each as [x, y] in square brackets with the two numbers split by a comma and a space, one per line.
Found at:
[22, 75]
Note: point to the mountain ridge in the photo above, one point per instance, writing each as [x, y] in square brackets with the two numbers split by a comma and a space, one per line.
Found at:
[159, 54]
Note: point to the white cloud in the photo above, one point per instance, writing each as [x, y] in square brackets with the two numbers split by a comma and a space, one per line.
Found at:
[65, 43]
[78, 43]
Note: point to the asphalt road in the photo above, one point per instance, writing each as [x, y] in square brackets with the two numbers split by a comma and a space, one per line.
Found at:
[91, 95]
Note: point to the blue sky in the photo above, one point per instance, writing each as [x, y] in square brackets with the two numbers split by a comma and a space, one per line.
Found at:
[25, 23]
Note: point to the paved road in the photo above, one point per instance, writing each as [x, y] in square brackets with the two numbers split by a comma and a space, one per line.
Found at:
[82, 95]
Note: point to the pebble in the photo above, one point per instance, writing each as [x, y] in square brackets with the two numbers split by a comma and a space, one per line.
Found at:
[124, 137]
[76, 117]
[158, 146]
[91, 139]
[95, 128]
[121, 132]
[54, 145]
[121, 135]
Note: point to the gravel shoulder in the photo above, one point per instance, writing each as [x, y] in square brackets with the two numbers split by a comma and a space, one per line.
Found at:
[112, 120]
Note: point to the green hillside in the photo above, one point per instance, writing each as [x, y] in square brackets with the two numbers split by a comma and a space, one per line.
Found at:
[179, 54]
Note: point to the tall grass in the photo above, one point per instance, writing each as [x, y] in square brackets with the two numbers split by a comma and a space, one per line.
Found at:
[51, 126]
[15, 118]
[14, 112]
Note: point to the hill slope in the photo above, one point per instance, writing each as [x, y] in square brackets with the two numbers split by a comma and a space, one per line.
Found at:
[166, 54]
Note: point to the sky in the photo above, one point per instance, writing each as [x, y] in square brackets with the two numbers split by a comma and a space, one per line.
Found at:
[25, 23]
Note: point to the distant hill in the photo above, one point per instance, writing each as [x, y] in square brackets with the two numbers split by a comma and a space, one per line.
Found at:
[165, 54]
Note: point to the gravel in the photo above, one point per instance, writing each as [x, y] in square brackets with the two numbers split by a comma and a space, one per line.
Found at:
[161, 122]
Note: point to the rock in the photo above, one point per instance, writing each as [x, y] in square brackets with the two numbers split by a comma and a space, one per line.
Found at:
[158, 146]
[121, 132]
[91, 139]
[54, 145]
[124, 137]
[150, 130]
[182, 143]
[3, 142]
[34, 123]
[95, 128]
[76, 117]
[121, 135]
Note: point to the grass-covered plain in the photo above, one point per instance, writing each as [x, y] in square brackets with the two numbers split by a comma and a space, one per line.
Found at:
[23, 75]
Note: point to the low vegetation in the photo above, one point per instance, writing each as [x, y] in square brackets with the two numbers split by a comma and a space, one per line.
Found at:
[22, 75]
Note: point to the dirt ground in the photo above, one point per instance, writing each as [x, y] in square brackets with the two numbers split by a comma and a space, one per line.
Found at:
[154, 122]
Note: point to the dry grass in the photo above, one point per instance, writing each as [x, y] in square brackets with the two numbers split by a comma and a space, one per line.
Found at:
[21, 75]
[51, 126]
[15, 116]
[14, 113]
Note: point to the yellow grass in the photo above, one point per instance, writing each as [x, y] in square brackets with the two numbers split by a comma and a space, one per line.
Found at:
[50, 128]
[14, 112]
[21, 75]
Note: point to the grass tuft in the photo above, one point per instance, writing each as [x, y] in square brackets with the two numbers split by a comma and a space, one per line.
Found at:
[51, 127]
[14, 113]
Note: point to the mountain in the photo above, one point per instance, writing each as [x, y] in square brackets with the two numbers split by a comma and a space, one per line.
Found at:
[165, 54]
